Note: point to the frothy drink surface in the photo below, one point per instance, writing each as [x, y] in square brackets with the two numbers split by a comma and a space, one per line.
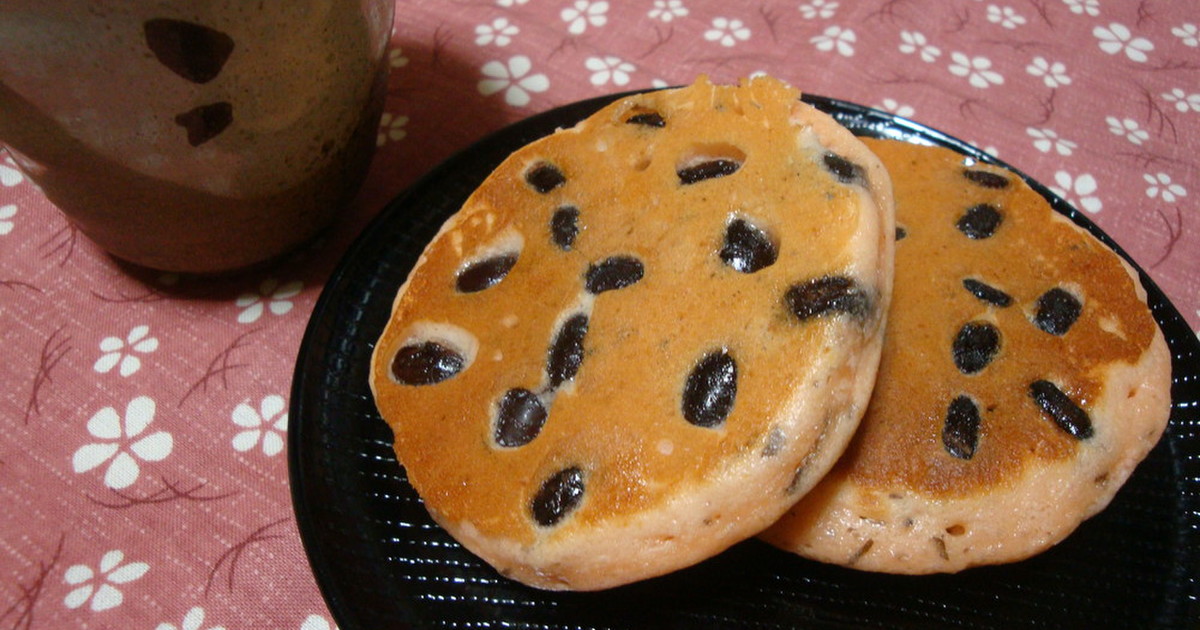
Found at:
[194, 136]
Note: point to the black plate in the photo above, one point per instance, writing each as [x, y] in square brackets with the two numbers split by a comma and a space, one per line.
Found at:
[382, 563]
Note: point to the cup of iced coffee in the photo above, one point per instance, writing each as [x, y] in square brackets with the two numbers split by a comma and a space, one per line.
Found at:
[198, 136]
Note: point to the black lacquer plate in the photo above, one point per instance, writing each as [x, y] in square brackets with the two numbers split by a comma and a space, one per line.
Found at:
[381, 562]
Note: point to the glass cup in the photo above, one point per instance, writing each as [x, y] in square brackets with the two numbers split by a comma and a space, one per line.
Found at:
[197, 136]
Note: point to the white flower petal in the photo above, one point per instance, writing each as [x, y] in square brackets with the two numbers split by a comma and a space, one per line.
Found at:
[146, 345]
[314, 622]
[488, 87]
[129, 365]
[154, 447]
[106, 598]
[246, 440]
[105, 424]
[110, 560]
[111, 344]
[78, 597]
[251, 314]
[516, 96]
[245, 416]
[90, 456]
[107, 362]
[122, 472]
[280, 307]
[519, 66]
[271, 406]
[272, 443]
[128, 573]
[193, 619]
[138, 415]
[281, 424]
[78, 574]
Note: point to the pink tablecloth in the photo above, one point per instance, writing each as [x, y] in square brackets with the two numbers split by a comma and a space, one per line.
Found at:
[143, 472]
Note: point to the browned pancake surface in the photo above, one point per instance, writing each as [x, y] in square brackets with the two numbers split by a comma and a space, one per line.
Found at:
[999, 303]
[679, 225]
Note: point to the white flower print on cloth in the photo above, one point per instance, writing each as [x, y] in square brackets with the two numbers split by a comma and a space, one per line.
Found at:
[836, 38]
[1127, 128]
[609, 68]
[1117, 37]
[977, 70]
[267, 424]
[122, 353]
[1046, 140]
[915, 42]
[7, 212]
[391, 127]
[1053, 74]
[510, 3]
[814, 9]
[9, 174]
[667, 10]
[316, 622]
[727, 31]
[99, 586]
[193, 620]
[891, 105]
[1182, 101]
[1080, 7]
[514, 79]
[1079, 191]
[1161, 186]
[1004, 16]
[122, 443]
[583, 14]
[500, 32]
[1188, 34]
[271, 296]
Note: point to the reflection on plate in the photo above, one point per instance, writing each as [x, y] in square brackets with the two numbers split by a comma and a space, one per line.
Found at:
[381, 562]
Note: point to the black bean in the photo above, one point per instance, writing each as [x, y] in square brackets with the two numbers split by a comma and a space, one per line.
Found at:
[566, 352]
[485, 273]
[828, 295]
[519, 418]
[975, 346]
[980, 221]
[710, 169]
[710, 390]
[960, 433]
[1057, 311]
[987, 292]
[847, 172]
[649, 119]
[564, 227]
[545, 177]
[425, 363]
[615, 272]
[747, 248]
[1062, 410]
[901, 233]
[985, 178]
[558, 496]
[193, 51]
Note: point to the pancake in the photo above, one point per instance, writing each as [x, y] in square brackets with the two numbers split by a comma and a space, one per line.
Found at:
[1022, 380]
[642, 338]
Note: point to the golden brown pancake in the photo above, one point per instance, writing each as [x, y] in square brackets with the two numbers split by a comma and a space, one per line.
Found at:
[642, 338]
[1022, 380]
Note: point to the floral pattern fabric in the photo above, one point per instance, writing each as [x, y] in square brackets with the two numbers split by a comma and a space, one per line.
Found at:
[144, 417]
